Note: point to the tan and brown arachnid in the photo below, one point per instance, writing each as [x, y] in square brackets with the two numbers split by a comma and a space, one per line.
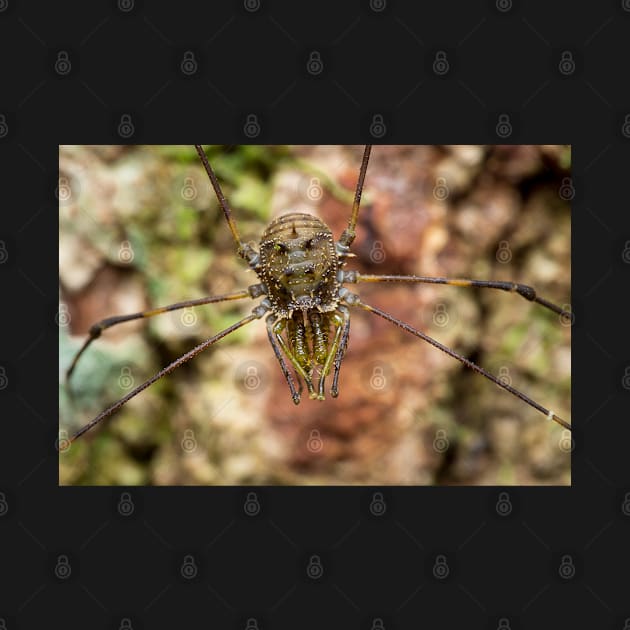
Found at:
[429, 211]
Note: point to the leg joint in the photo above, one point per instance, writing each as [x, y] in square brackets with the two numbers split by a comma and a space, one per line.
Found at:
[527, 292]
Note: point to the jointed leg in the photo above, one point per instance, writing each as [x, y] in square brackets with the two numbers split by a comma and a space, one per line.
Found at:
[340, 322]
[99, 327]
[348, 235]
[244, 250]
[355, 301]
[334, 390]
[273, 339]
[521, 289]
[256, 314]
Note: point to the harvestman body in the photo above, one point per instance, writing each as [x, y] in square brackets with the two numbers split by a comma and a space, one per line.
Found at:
[301, 271]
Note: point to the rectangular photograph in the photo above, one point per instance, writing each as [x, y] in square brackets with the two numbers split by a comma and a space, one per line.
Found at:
[315, 315]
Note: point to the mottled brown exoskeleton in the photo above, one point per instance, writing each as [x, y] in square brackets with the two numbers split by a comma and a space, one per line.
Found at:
[299, 267]
[301, 272]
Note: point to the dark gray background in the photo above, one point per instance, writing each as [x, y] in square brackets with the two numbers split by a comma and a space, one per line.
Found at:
[503, 59]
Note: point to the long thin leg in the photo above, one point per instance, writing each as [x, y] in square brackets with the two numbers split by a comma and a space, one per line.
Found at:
[96, 329]
[295, 394]
[339, 321]
[523, 290]
[244, 251]
[334, 390]
[473, 366]
[167, 370]
[348, 235]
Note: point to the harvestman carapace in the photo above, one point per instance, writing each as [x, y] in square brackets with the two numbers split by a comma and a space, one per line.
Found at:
[301, 269]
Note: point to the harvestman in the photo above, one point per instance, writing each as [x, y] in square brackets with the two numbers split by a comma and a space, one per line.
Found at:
[301, 271]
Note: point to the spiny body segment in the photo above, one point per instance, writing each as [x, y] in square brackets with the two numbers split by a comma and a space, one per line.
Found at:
[299, 264]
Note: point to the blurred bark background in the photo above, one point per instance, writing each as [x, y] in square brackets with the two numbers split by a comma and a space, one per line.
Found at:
[140, 227]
